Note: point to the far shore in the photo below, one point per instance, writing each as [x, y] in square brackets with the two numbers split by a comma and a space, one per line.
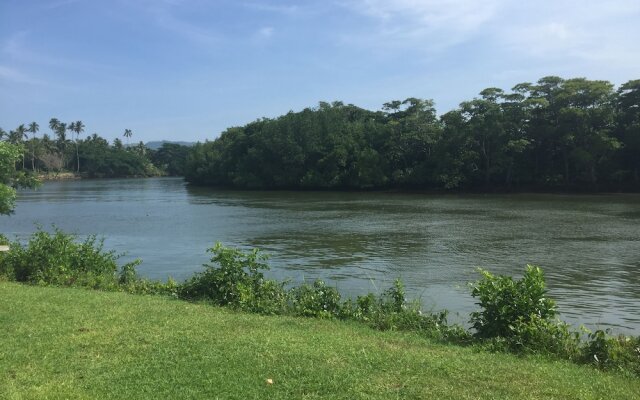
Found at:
[69, 176]
[59, 176]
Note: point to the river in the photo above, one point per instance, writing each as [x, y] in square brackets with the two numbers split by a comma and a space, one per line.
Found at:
[588, 245]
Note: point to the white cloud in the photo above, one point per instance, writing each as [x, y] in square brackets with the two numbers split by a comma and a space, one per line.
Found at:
[430, 24]
[562, 33]
[598, 33]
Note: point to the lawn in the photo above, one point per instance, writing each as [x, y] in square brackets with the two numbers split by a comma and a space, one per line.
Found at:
[75, 343]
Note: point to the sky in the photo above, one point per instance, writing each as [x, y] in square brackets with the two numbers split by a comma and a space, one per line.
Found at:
[189, 69]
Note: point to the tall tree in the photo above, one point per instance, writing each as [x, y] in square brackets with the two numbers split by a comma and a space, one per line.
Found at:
[77, 127]
[61, 140]
[33, 128]
[628, 128]
[128, 134]
[20, 134]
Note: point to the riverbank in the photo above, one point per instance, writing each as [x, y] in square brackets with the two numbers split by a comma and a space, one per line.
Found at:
[75, 343]
[70, 176]
[59, 176]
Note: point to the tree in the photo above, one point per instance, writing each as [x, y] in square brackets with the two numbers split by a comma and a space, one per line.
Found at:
[128, 134]
[10, 179]
[60, 130]
[628, 129]
[77, 127]
[33, 128]
[586, 122]
[17, 137]
[117, 144]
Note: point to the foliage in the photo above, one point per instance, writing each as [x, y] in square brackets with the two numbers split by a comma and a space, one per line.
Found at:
[235, 279]
[509, 305]
[171, 158]
[92, 156]
[10, 179]
[575, 134]
[58, 259]
[613, 352]
[316, 300]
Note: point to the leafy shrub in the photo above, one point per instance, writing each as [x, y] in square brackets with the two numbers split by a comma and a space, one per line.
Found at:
[612, 352]
[391, 311]
[539, 335]
[316, 300]
[58, 259]
[508, 306]
[131, 282]
[235, 279]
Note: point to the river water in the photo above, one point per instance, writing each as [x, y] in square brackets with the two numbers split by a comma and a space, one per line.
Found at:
[588, 246]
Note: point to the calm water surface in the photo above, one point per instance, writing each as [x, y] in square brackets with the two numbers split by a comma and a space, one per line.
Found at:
[589, 246]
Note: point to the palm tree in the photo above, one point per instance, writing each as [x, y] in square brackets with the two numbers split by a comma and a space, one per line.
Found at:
[54, 124]
[61, 139]
[78, 128]
[33, 128]
[128, 134]
[20, 134]
[3, 133]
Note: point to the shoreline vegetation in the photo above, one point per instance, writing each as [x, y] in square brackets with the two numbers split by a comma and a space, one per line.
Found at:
[556, 135]
[573, 135]
[514, 315]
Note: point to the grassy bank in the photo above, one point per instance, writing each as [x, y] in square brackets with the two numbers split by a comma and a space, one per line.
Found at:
[75, 343]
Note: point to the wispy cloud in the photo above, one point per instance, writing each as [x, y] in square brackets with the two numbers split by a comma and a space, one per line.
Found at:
[571, 31]
[595, 32]
[165, 14]
[11, 75]
[16, 48]
[165, 19]
[429, 24]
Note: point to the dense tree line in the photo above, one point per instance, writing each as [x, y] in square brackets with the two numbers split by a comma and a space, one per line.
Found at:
[64, 151]
[554, 134]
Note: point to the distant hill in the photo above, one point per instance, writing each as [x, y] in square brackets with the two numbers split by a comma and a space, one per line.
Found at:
[155, 145]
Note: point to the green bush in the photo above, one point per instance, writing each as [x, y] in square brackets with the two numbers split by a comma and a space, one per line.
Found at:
[612, 352]
[58, 259]
[316, 300]
[235, 279]
[509, 306]
[129, 281]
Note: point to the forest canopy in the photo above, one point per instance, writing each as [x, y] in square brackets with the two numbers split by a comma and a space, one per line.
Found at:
[572, 134]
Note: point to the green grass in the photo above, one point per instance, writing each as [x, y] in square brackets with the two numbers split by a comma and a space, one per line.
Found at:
[74, 343]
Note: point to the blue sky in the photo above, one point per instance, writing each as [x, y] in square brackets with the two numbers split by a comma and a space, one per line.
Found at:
[188, 69]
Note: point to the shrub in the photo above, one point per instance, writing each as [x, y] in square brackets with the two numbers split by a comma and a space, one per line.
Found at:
[316, 300]
[131, 282]
[508, 306]
[612, 352]
[235, 279]
[58, 259]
